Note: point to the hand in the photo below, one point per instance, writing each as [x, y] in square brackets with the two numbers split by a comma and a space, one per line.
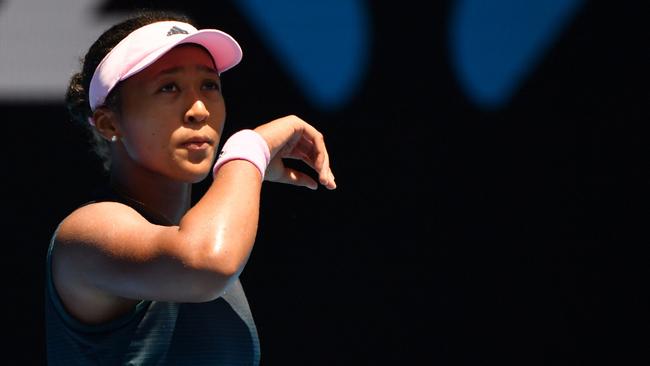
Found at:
[292, 138]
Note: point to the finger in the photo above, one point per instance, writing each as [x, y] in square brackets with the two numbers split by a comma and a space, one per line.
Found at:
[320, 164]
[297, 178]
[311, 149]
[314, 156]
[331, 184]
[301, 146]
[319, 157]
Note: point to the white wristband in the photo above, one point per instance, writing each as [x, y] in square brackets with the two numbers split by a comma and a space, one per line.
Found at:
[245, 145]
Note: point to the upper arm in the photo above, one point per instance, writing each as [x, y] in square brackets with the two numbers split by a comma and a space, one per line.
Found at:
[108, 250]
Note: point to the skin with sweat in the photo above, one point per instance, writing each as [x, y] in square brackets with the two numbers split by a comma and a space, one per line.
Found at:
[168, 130]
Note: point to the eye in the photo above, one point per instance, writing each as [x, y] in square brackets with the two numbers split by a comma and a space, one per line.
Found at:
[171, 87]
[211, 85]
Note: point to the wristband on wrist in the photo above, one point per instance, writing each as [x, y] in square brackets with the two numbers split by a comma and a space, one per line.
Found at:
[245, 145]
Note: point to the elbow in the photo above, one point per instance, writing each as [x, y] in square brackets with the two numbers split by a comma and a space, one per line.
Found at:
[221, 262]
[213, 271]
[207, 285]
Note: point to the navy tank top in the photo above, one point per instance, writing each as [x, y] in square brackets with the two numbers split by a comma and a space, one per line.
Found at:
[219, 332]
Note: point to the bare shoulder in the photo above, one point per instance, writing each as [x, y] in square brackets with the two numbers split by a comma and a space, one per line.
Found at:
[87, 223]
[107, 257]
[100, 233]
[92, 244]
[108, 229]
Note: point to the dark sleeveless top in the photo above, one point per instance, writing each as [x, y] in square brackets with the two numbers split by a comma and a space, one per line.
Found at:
[219, 332]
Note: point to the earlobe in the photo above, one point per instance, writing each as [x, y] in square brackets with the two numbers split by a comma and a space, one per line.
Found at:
[106, 123]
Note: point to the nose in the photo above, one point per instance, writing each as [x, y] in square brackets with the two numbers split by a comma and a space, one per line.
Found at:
[197, 113]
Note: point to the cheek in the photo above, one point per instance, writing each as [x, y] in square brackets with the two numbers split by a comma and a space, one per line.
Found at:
[150, 145]
[218, 117]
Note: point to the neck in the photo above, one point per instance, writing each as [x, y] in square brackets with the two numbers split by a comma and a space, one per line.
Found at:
[156, 193]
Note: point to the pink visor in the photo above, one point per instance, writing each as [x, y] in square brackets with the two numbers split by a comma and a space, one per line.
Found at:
[145, 45]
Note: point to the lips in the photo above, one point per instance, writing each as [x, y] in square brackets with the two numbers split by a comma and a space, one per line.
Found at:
[197, 143]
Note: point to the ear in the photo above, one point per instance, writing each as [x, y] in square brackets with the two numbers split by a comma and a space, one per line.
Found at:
[106, 123]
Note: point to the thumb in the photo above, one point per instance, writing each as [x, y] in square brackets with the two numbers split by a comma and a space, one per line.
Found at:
[296, 178]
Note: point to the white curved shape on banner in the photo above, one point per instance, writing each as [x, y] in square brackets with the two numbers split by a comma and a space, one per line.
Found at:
[41, 43]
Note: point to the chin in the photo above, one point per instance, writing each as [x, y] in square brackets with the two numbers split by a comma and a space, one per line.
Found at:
[193, 173]
[197, 176]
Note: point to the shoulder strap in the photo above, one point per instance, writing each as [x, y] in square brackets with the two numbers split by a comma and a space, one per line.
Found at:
[106, 193]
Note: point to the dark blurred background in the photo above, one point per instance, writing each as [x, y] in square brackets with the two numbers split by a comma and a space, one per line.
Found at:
[491, 159]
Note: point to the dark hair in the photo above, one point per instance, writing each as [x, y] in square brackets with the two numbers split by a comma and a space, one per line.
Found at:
[76, 98]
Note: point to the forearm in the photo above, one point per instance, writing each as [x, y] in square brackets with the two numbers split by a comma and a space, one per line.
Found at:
[221, 227]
